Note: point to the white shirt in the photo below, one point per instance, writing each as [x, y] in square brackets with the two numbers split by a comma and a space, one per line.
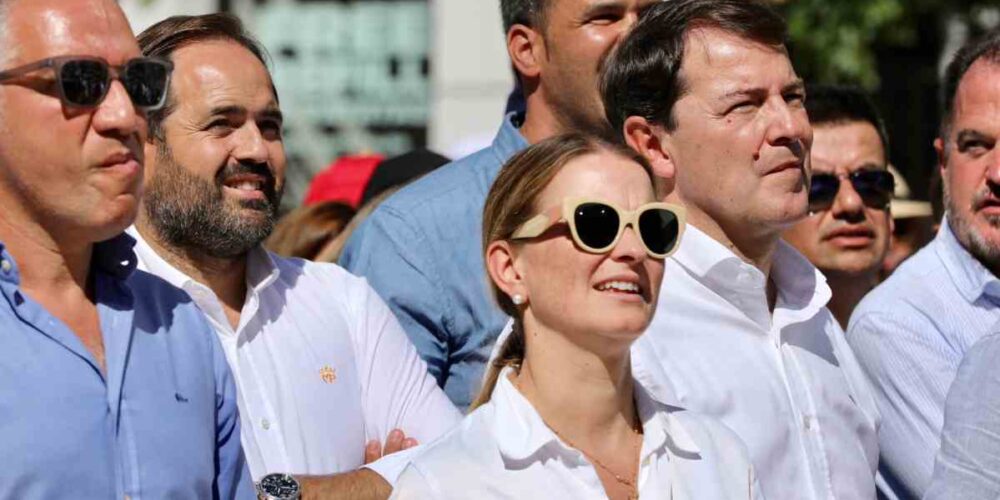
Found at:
[321, 367]
[786, 382]
[505, 450]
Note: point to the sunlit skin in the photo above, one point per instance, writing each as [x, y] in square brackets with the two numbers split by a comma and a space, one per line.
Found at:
[69, 178]
[75, 172]
[970, 163]
[740, 144]
[578, 334]
[848, 238]
[561, 62]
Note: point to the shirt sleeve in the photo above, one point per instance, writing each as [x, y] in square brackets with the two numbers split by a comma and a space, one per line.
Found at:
[396, 390]
[968, 463]
[391, 255]
[413, 485]
[233, 480]
[910, 370]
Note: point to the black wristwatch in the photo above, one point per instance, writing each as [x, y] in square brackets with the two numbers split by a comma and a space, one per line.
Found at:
[278, 487]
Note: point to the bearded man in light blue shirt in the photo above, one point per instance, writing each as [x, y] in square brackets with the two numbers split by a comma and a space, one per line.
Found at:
[911, 333]
[111, 382]
[420, 249]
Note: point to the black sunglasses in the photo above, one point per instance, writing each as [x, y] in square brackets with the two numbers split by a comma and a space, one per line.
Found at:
[875, 187]
[84, 81]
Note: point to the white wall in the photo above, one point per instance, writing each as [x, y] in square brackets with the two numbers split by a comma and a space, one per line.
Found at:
[144, 13]
[470, 75]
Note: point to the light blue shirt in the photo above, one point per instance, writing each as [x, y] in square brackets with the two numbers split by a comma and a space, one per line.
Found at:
[422, 251]
[161, 423]
[968, 463]
[910, 334]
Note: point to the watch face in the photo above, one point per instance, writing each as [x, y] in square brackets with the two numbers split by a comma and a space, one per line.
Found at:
[280, 486]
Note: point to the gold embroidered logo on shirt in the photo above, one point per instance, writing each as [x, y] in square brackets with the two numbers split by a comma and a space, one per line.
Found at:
[328, 375]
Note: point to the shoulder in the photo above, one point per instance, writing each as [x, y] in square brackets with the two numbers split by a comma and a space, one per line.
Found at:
[325, 282]
[154, 296]
[447, 186]
[908, 287]
[471, 444]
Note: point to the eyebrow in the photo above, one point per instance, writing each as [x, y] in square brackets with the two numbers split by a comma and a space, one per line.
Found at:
[272, 112]
[603, 6]
[797, 85]
[967, 135]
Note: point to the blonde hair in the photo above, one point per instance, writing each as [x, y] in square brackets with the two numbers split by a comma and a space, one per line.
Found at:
[511, 202]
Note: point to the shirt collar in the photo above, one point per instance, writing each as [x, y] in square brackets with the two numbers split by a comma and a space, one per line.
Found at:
[261, 268]
[114, 257]
[521, 432]
[509, 140]
[802, 289]
[971, 278]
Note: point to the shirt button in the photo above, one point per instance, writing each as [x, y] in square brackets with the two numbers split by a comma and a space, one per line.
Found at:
[265, 423]
[5, 265]
[807, 422]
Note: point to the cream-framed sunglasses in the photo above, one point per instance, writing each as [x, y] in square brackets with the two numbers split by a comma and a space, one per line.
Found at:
[597, 225]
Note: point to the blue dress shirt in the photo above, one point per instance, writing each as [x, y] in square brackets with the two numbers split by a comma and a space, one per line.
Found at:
[161, 423]
[968, 464]
[422, 251]
[910, 334]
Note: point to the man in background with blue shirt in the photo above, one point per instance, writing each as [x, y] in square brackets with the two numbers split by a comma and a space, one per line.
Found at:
[421, 248]
[111, 382]
[911, 333]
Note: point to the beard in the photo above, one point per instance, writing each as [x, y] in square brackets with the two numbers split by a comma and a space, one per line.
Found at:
[981, 247]
[191, 213]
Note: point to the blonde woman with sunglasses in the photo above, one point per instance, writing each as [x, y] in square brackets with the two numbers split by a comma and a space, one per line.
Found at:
[574, 242]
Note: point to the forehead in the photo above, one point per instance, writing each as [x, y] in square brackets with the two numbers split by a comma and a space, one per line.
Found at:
[977, 100]
[556, 9]
[219, 73]
[846, 146]
[603, 175]
[724, 62]
[48, 28]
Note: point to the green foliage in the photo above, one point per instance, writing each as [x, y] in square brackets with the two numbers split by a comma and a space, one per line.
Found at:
[834, 41]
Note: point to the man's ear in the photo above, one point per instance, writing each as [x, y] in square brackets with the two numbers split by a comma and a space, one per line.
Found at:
[501, 265]
[651, 141]
[942, 155]
[526, 49]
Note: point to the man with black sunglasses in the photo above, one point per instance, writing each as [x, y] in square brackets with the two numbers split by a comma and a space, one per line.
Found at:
[705, 90]
[912, 332]
[846, 234]
[111, 384]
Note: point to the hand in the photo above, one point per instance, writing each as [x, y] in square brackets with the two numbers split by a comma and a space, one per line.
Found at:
[397, 441]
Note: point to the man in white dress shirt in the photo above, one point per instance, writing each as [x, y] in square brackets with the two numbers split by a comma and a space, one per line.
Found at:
[706, 91]
[323, 369]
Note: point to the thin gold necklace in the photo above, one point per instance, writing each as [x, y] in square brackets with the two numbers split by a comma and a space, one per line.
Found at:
[630, 483]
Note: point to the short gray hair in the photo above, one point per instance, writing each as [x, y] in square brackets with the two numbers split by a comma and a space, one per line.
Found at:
[530, 13]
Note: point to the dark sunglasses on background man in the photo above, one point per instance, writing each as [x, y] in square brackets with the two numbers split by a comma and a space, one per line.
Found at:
[596, 226]
[875, 187]
[84, 81]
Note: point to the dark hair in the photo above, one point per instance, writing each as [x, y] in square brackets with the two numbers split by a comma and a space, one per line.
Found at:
[643, 76]
[530, 13]
[305, 231]
[511, 202]
[167, 36]
[985, 47]
[839, 104]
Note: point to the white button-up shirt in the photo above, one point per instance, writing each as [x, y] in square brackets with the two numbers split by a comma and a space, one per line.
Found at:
[320, 364]
[786, 381]
[505, 450]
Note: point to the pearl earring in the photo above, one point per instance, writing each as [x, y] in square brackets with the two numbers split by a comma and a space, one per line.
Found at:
[517, 299]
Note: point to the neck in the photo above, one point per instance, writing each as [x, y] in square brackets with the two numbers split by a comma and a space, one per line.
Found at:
[540, 122]
[848, 290]
[599, 409]
[225, 276]
[44, 262]
[753, 247]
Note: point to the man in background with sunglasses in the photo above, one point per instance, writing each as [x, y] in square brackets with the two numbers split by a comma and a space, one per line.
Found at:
[705, 90]
[846, 234]
[324, 371]
[912, 332]
[111, 383]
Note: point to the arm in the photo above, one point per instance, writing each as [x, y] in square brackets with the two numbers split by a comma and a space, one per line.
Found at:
[968, 463]
[391, 255]
[397, 392]
[232, 480]
[910, 370]
[362, 484]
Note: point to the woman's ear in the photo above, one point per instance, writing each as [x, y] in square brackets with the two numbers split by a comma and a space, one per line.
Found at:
[651, 141]
[501, 264]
